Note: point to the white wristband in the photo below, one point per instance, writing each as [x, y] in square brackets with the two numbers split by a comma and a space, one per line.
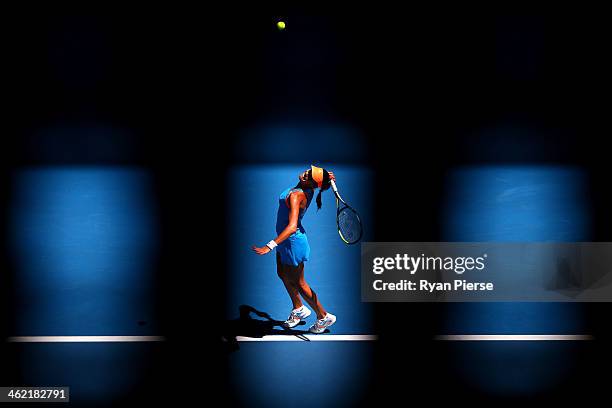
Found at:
[271, 245]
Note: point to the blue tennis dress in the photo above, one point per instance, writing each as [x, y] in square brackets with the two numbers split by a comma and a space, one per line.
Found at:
[295, 249]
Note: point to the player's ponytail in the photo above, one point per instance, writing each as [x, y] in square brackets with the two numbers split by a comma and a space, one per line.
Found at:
[324, 186]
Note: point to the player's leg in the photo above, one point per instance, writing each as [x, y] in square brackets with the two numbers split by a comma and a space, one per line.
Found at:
[306, 291]
[299, 312]
[324, 319]
[290, 286]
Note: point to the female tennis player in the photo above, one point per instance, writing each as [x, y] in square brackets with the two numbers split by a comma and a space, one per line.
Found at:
[292, 248]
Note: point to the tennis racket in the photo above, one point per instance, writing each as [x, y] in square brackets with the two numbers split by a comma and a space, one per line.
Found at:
[347, 219]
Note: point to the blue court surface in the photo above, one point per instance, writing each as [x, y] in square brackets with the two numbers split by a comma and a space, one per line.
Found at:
[333, 270]
[545, 343]
[524, 203]
[98, 373]
[263, 373]
[83, 242]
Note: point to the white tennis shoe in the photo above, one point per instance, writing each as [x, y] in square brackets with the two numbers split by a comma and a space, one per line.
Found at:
[322, 324]
[296, 316]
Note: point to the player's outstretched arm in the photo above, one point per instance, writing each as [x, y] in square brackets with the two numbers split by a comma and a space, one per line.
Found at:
[295, 201]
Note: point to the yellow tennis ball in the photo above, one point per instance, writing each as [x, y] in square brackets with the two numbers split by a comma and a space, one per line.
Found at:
[280, 25]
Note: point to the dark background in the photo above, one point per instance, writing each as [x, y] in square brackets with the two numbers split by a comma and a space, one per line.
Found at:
[419, 85]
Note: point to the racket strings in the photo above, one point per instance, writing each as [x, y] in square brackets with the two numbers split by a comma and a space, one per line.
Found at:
[349, 225]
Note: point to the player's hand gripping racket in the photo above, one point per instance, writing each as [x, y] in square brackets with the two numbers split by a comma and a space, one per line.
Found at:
[347, 219]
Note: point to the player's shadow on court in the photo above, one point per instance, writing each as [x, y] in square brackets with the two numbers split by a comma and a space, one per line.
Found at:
[248, 326]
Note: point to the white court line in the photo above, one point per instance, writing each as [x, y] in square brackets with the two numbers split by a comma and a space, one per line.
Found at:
[513, 337]
[82, 339]
[303, 337]
[450, 337]
[312, 337]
